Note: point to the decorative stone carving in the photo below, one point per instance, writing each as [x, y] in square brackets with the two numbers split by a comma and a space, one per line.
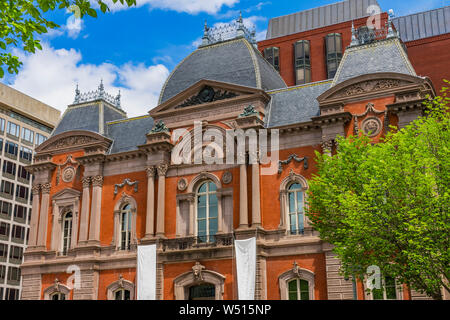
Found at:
[86, 182]
[97, 181]
[369, 86]
[46, 188]
[248, 111]
[227, 177]
[68, 174]
[126, 182]
[292, 157]
[371, 126]
[182, 184]
[162, 169]
[327, 146]
[206, 95]
[150, 171]
[296, 270]
[159, 127]
[35, 189]
[70, 142]
[197, 270]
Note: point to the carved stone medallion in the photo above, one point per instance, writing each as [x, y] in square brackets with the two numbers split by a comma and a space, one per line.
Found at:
[182, 184]
[371, 126]
[68, 174]
[227, 177]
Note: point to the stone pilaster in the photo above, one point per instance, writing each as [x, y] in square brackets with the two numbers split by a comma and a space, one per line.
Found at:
[31, 286]
[94, 226]
[256, 193]
[150, 213]
[85, 202]
[32, 241]
[243, 206]
[89, 286]
[43, 218]
[162, 171]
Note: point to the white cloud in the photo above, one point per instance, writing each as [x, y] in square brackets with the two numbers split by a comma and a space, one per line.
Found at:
[73, 27]
[188, 6]
[50, 76]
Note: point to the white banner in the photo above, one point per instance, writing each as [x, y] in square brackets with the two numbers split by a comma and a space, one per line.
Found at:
[146, 272]
[246, 268]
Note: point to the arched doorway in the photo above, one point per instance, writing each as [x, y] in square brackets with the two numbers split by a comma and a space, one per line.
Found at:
[205, 291]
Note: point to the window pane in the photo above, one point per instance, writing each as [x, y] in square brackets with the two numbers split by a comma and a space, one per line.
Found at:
[212, 226]
[291, 202]
[299, 201]
[212, 186]
[330, 44]
[202, 227]
[293, 223]
[391, 292]
[202, 188]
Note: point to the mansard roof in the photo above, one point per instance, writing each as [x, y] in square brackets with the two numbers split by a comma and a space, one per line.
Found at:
[127, 134]
[387, 55]
[295, 105]
[234, 61]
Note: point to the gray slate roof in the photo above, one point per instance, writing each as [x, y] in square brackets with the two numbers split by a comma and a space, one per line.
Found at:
[380, 56]
[127, 134]
[423, 24]
[85, 118]
[318, 17]
[295, 105]
[235, 61]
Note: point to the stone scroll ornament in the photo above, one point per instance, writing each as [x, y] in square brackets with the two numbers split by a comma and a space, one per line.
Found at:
[126, 182]
[290, 159]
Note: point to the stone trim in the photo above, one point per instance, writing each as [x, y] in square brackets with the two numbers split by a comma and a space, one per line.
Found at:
[183, 282]
[296, 273]
[120, 284]
[284, 204]
[124, 200]
[57, 287]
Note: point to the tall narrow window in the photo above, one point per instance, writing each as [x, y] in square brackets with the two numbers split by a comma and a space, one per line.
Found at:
[125, 227]
[333, 45]
[67, 232]
[302, 62]
[273, 56]
[298, 289]
[207, 212]
[296, 216]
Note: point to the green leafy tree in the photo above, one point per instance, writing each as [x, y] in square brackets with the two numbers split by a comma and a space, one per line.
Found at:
[387, 204]
[22, 20]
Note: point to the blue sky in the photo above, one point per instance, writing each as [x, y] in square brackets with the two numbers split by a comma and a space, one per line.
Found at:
[134, 49]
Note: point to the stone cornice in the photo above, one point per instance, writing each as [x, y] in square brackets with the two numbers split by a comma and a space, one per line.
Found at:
[332, 118]
[38, 167]
[89, 159]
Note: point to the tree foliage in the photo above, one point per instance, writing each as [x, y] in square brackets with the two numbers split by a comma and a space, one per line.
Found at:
[22, 20]
[387, 204]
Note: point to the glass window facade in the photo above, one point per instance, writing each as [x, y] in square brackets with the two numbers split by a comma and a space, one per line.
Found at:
[302, 62]
[333, 46]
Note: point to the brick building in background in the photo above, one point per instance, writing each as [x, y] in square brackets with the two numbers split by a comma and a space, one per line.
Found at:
[106, 184]
[24, 124]
[307, 46]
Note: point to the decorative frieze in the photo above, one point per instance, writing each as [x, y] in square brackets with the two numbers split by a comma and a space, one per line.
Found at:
[289, 160]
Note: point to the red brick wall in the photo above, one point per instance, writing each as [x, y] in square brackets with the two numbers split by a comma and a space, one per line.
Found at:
[317, 42]
[431, 57]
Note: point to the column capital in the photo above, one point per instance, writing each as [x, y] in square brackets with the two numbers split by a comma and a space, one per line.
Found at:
[86, 182]
[162, 169]
[46, 188]
[150, 172]
[97, 181]
[35, 189]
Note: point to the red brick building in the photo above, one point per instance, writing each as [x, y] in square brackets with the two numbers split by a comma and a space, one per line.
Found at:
[105, 184]
[326, 32]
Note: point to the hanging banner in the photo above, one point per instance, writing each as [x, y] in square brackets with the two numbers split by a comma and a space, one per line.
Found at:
[246, 268]
[146, 272]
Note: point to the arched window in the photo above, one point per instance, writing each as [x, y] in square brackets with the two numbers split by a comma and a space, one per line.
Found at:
[125, 227]
[298, 289]
[58, 296]
[67, 232]
[207, 212]
[122, 294]
[295, 209]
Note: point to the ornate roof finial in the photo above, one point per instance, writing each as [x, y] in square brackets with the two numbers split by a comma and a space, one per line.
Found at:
[101, 89]
[240, 30]
[205, 39]
[355, 40]
[117, 99]
[391, 33]
[77, 95]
